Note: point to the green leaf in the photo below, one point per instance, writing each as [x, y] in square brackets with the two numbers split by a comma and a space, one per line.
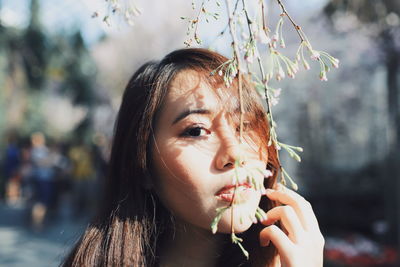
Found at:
[292, 183]
[238, 240]
[214, 223]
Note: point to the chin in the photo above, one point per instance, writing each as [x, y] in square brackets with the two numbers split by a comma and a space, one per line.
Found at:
[243, 218]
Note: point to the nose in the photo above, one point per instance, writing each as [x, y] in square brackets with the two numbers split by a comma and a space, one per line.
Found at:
[229, 152]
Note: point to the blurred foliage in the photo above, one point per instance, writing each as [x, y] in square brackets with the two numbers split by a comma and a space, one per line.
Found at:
[36, 65]
[382, 18]
[32, 45]
[372, 12]
[78, 73]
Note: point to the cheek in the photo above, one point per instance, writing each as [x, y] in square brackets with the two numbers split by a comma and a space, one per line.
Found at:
[183, 163]
[182, 174]
[184, 189]
[256, 148]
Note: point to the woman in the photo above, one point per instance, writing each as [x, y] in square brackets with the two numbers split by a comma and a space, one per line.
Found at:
[173, 164]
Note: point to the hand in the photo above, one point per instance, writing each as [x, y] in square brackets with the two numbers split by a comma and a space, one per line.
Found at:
[300, 243]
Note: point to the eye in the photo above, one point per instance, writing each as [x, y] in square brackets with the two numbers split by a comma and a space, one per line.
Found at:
[196, 131]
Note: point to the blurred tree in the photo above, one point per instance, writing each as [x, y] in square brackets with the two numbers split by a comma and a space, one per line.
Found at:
[33, 49]
[38, 65]
[382, 18]
[80, 71]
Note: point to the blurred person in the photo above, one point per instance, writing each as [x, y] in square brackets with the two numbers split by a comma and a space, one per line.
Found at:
[83, 177]
[26, 172]
[43, 179]
[174, 155]
[101, 155]
[11, 166]
[60, 166]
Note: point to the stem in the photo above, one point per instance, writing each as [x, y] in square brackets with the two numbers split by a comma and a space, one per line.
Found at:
[263, 77]
[231, 205]
[198, 18]
[238, 60]
[269, 110]
[226, 27]
[262, 15]
[248, 19]
[296, 26]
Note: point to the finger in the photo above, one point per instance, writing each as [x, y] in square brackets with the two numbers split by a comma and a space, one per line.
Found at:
[301, 206]
[289, 219]
[281, 241]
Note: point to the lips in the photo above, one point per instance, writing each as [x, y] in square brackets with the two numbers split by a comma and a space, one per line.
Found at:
[228, 193]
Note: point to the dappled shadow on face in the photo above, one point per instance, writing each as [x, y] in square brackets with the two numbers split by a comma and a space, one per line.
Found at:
[194, 89]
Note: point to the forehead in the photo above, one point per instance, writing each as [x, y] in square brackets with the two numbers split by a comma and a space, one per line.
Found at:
[190, 88]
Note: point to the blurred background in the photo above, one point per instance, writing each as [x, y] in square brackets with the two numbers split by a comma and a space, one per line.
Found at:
[64, 65]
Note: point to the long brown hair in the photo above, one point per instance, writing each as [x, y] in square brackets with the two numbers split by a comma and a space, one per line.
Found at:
[131, 222]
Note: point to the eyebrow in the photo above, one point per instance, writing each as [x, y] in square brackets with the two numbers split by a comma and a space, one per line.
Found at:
[186, 113]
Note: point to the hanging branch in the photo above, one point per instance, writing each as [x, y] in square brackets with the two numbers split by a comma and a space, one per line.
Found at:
[125, 9]
[238, 60]
[280, 66]
[296, 26]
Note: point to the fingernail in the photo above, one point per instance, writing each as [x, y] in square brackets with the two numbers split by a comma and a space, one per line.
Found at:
[264, 216]
[263, 191]
[267, 173]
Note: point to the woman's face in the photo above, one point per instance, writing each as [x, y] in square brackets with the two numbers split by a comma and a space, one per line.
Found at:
[194, 151]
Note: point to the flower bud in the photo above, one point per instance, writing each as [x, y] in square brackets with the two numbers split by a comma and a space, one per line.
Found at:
[295, 67]
[136, 11]
[282, 43]
[248, 58]
[277, 92]
[263, 38]
[322, 76]
[335, 63]
[274, 101]
[280, 75]
[275, 37]
[306, 65]
[315, 55]
[197, 39]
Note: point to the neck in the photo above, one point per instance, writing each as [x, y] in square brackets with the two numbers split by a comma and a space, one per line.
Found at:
[192, 246]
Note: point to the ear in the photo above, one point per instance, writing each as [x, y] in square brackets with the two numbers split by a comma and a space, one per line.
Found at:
[147, 181]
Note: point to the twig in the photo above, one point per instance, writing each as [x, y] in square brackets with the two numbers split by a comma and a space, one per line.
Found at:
[296, 26]
[197, 20]
[236, 55]
[227, 26]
